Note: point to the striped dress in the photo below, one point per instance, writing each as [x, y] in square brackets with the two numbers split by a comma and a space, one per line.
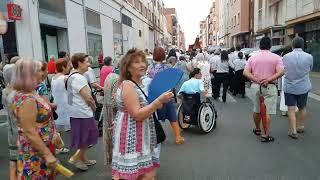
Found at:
[133, 141]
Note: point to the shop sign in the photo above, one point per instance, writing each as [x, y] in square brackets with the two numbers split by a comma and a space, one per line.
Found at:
[313, 26]
[14, 11]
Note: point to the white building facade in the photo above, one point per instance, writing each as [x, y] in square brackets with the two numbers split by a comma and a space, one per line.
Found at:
[108, 27]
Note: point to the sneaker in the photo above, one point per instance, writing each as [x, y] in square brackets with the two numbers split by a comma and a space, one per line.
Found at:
[80, 165]
[284, 113]
[293, 135]
[300, 130]
[62, 151]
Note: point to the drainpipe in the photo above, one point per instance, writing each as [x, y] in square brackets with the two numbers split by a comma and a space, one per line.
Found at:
[85, 25]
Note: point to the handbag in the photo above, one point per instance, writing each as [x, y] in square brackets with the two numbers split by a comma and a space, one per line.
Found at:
[161, 135]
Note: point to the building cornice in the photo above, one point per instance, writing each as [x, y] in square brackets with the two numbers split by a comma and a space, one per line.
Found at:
[304, 18]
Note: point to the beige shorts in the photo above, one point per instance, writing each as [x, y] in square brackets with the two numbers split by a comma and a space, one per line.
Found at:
[270, 95]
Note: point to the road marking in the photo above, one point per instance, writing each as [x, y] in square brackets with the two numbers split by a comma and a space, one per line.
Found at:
[314, 96]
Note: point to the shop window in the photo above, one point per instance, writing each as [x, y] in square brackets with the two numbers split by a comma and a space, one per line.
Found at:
[117, 39]
[95, 48]
[94, 36]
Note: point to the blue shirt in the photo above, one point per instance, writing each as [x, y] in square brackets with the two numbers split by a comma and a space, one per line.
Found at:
[192, 86]
[297, 65]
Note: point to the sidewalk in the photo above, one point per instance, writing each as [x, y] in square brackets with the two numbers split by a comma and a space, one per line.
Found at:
[315, 81]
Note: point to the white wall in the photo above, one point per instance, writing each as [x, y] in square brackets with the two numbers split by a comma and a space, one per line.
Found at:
[107, 36]
[28, 30]
[76, 27]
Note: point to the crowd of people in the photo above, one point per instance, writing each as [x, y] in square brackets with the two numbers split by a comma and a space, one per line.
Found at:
[39, 109]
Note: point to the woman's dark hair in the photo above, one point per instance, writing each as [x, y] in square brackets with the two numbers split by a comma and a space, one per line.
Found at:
[172, 52]
[62, 54]
[232, 49]
[265, 43]
[194, 72]
[238, 47]
[224, 56]
[182, 58]
[286, 50]
[193, 54]
[107, 61]
[240, 55]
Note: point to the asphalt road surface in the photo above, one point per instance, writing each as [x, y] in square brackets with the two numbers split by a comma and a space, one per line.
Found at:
[230, 152]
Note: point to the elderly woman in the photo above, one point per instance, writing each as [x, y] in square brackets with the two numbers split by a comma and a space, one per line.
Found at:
[36, 127]
[134, 155]
[84, 129]
[105, 70]
[7, 99]
[168, 110]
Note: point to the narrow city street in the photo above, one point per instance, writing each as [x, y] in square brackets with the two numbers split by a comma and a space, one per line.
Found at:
[230, 152]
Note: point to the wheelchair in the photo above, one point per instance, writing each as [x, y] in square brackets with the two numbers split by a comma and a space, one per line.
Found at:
[194, 112]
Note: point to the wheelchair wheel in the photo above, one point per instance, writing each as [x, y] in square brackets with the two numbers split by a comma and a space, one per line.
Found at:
[180, 116]
[207, 117]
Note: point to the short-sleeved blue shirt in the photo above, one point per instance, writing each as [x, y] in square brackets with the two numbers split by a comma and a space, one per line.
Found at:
[192, 86]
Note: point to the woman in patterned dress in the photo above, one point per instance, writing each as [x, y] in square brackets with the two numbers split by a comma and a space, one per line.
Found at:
[134, 136]
[36, 128]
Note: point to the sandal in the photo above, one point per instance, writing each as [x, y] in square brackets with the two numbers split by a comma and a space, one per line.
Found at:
[80, 165]
[180, 140]
[257, 132]
[267, 139]
[90, 162]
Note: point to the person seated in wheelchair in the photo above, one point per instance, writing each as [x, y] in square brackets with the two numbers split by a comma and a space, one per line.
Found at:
[194, 85]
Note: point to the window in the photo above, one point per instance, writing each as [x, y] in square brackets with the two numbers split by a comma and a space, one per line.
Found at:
[140, 33]
[238, 18]
[140, 7]
[126, 20]
[231, 23]
[235, 21]
[136, 4]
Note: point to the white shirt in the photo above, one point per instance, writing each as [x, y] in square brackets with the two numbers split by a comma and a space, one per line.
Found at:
[222, 67]
[239, 64]
[232, 57]
[213, 61]
[78, 107]
[90, 76]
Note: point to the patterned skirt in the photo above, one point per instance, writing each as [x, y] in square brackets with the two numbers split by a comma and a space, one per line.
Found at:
[134, 145]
